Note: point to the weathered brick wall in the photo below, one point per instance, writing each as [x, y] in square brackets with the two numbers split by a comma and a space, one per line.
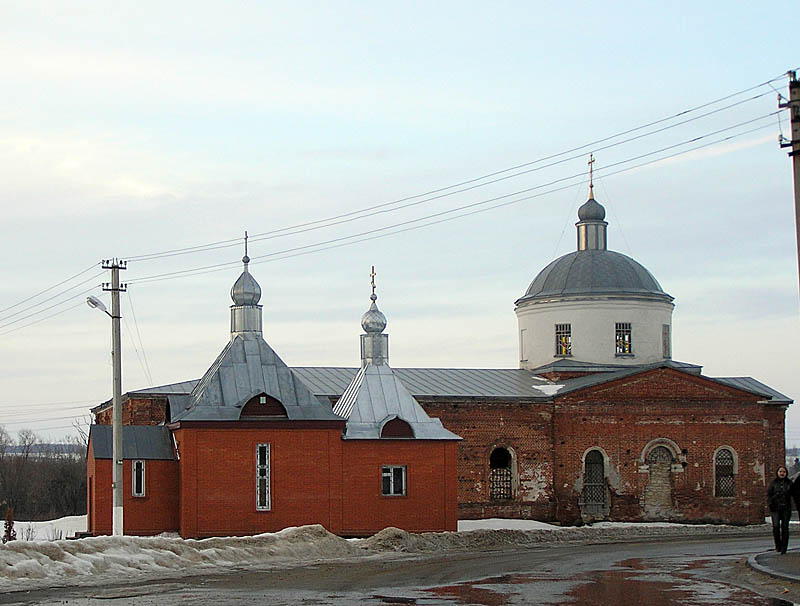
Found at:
[137, 411]
[522, 428]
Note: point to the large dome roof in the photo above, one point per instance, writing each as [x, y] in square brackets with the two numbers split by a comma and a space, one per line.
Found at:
[593, 272]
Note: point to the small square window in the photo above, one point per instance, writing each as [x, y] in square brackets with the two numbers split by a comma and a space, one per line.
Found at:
[262, 399]
[563, 339]
[393, 480]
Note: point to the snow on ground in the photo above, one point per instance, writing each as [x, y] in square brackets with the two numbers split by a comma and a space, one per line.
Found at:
[52, 530]
[95, 560]
[503, 524]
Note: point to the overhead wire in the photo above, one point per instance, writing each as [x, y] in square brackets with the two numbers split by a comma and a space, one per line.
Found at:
[351, 215]
[254, 259]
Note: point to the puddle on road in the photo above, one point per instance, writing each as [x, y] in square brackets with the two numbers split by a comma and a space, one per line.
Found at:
[638, 582]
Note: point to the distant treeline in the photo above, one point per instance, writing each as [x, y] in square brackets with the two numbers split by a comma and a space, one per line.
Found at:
[40, 480]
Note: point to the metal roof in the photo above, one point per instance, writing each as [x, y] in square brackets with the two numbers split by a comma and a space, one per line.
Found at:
[185, 387]
[436, 382]
[752, 385]
[376, 396]
[592, 272]
[246, 368]
[138, 442]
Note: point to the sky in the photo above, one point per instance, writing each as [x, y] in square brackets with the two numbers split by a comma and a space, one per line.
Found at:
[151, 127]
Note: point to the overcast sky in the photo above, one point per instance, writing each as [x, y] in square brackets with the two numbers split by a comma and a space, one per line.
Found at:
[141, 127]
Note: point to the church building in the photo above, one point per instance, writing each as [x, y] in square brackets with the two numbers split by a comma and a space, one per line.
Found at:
[597, 423]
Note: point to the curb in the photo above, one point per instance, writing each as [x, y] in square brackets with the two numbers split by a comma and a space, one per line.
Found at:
[753, 563]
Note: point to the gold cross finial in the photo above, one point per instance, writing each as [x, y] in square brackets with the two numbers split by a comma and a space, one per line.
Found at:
[591, 175]
[372, 279]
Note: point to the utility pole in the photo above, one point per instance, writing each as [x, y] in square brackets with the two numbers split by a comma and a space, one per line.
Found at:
[116, 355]
[794, 114]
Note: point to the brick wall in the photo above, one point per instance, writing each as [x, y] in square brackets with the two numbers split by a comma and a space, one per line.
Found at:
[430, 503]
[137, 411]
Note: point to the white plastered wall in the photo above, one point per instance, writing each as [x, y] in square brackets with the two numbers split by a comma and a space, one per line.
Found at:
[593, 322]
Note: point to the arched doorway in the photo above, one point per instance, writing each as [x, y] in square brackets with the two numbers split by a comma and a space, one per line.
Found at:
[594, 499]
[658, 493]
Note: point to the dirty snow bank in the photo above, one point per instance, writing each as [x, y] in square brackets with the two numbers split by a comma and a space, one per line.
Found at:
[120, 557]
[51, 530]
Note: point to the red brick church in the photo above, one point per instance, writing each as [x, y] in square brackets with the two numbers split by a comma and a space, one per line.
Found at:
[597, 423]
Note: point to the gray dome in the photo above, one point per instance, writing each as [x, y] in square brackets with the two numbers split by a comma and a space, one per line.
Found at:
[245, 290]
[591, 210]
[373, 319]
[592, 272]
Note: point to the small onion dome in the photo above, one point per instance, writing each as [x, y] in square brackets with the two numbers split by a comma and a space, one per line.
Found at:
[246, 290]
[373, 320]
[591, 210]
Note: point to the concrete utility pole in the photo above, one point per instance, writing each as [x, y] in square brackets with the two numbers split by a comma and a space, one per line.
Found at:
[116, 355]
[794, 114]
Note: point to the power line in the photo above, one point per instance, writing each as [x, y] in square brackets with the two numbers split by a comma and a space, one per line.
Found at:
[51, 298]
[41, 311]
[297, 249]
[58, 313]
[351, 216]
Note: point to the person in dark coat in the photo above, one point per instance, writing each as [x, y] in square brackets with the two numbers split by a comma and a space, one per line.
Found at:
[779, 499]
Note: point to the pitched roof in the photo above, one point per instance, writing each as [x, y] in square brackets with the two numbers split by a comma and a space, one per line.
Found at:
[248, 367]
[375, 396]
[138, 442]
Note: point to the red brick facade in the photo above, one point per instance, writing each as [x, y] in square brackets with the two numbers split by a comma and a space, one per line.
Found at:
[623, 419]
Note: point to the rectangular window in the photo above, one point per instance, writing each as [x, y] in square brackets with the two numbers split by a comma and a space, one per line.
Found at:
[393, 480]
[563, 339]
[665, 341]
[522, 357]
[137, 490]
[263, 500]
[623, 340]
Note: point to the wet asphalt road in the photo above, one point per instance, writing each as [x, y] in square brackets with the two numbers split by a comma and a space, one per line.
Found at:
[654, 574]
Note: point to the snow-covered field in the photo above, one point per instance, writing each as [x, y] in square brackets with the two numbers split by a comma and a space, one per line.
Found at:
[44, 562]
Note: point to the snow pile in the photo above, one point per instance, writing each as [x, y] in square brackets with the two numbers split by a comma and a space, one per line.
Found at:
[503, 524]
[120, 557]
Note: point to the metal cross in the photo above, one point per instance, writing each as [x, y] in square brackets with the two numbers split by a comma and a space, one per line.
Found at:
[245, 243]
[591, 175]
[372, 279]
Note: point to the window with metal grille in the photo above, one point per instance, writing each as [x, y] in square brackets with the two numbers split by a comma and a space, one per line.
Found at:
[725, 486]
[137, 490]
[594, 479]
[660, 454]
[500, 475]
[393, 480]
[623, 334]
[263, 499]
[563, 339]
[666, 341]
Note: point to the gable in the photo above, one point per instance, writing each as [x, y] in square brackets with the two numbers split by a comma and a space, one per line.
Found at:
[666, 384]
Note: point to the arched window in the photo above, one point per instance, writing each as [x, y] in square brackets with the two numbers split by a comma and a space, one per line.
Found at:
[262, 405]
[594, 480]
[500, 475]
[724, 474]
[397, 428]
[660, 454]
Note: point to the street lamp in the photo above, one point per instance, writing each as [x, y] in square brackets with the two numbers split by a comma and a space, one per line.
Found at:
[116, 413]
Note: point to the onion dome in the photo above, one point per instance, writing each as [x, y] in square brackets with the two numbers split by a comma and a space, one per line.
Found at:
[373, 320]
[245, 290]
[591, 210]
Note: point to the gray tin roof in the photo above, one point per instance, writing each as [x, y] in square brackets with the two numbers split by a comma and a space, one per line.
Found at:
[246, 368]
[593, 272]
[138, 442]
[752, 385]
[435, 382]
[375, 396]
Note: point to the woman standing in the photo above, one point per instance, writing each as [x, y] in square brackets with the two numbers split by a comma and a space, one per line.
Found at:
[780, 506]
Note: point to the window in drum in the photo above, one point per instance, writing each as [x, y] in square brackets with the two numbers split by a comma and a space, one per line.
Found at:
[263, 498]
[137, 490]
[623, 334]
[500, 475]
[563, 339]
[724, 478]
[393, 480]
[665, 341]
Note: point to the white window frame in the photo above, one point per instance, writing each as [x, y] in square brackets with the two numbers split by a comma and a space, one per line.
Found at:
[263, 479]
[134, 464]
[388, 472]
